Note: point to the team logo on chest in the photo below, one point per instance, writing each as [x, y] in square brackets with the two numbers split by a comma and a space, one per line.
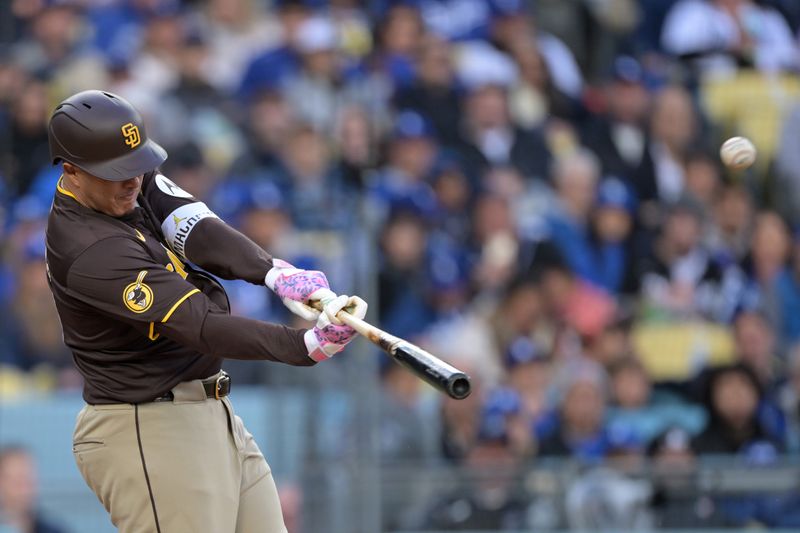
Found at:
[137, 296]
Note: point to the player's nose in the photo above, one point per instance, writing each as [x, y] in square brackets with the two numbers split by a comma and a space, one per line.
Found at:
[132, 183]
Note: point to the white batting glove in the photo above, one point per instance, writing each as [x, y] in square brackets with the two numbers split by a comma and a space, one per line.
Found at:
[330, 336]
[297, 287]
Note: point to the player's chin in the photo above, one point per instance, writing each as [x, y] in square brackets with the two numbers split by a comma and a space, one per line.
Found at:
[123, 207]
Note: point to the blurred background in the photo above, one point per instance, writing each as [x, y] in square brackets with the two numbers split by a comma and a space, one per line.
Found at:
[529, 189]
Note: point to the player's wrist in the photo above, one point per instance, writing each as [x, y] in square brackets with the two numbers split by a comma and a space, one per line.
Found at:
[318, 349]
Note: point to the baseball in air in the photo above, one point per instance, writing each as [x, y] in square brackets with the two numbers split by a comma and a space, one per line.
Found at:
[738, 153]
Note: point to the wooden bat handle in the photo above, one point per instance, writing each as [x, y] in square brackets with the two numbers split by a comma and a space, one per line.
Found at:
[364, 328]
[424, 365]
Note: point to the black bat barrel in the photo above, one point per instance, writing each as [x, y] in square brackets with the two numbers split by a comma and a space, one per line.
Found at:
[435, 372]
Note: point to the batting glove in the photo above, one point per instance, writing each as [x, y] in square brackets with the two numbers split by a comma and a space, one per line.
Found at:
[296, 287]
[330, 336]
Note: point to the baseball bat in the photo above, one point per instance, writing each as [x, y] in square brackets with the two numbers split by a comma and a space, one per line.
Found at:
[421, 363]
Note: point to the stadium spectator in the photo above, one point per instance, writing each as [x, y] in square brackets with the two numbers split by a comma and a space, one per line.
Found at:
[611, 236]
[789, 400]
[26, 136]
[718, 35]
[755, 346]
[19, 493]
[489, 137]
[355, 143]
[513, 30]
[579, 429]
[770, 246]
[575, 178]
[732, 397]
[728, 236]
[619, 137]
[314, 192]
[403, 305]
[398, 36]
[323, 85]
[488, 498]
[433, 92]
[788, 291]
[674, 503]
[644, 413]
[680, 279]
[673, 128]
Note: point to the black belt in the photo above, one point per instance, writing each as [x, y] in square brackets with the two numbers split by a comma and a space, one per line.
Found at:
[216, 388]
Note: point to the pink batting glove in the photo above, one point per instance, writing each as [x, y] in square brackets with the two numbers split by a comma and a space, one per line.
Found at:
[327, 338]
[296, 287]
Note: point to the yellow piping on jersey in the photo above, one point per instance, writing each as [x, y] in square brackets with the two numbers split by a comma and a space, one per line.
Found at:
[153, 335]
[139, 235]
[179, 302]
[62, 190]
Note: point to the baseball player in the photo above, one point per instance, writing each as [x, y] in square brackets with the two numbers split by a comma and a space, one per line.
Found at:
[158, 441]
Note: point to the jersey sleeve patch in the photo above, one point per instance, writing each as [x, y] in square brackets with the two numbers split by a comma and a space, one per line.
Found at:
[167, 186]
[138, 296]
[179, 224]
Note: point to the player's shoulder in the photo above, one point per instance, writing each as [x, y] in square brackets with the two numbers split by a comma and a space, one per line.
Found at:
[70, 234]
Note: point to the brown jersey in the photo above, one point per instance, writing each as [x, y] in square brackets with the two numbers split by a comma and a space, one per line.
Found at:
[137, 317]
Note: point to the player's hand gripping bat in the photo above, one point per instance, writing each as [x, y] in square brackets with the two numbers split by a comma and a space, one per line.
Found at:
[424, 365]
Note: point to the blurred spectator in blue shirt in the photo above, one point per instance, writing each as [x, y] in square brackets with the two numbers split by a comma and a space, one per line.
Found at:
[272, 67]
[402, 284]
[643, 412]
[434, 92]
[611, 229]
[19, 492]
[580, 429]
[411, 155]
[788, 290]
[575, 177]
[767, 263]
[788, 397]
[398, 36]
[315, 194]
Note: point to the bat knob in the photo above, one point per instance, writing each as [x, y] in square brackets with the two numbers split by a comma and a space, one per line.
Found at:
[459, 386]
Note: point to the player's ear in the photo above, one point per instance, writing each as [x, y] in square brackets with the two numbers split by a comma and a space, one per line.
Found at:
[70, 173]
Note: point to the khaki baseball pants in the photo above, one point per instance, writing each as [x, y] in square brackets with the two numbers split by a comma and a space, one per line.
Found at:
[184, 466]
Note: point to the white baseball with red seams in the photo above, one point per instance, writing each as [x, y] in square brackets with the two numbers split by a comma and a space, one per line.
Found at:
[738, 153]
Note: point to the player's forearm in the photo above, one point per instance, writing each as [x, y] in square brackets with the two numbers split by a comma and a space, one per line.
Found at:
[213, 332]
[227, 253]
[236, 337]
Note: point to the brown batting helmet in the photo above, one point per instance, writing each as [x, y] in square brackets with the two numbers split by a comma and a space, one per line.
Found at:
[104, 135]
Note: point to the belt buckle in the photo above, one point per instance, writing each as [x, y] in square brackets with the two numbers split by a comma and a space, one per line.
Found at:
[218, 384]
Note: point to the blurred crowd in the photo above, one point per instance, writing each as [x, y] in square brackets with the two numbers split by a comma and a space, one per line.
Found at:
[539, 186]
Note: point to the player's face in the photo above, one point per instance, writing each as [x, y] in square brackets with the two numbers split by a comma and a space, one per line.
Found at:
[113, 198]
